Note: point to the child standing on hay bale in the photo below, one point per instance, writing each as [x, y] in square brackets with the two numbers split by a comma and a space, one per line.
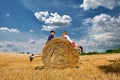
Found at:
[51, 36]
[65, 36]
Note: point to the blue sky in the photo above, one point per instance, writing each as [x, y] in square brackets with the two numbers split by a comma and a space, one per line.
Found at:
[25, 24]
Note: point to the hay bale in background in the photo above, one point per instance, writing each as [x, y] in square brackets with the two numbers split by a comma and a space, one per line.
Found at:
[59, 53]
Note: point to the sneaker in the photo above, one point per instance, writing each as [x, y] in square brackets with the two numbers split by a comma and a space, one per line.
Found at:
[32, 55]
[30, 58]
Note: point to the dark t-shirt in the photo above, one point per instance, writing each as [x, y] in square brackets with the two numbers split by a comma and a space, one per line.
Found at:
[50, 37]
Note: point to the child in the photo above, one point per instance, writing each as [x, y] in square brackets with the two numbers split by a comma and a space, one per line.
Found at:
[51, 36]
[80, 49]
[65, 36]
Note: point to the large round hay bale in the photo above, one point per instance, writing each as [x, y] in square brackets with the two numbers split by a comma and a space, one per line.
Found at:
[59, 53]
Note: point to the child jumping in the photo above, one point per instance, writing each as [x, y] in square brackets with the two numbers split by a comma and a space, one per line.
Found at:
[51, 36]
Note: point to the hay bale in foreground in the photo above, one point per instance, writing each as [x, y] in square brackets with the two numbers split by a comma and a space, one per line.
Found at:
[59, 53]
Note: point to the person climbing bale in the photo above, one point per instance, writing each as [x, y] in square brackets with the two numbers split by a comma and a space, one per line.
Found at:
[80, 49]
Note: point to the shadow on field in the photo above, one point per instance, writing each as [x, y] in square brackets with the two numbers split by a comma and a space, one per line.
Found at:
[43, 67]
[114, 67]
[39, 68]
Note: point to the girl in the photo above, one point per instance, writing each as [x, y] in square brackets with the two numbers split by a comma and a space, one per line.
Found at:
[65, 36]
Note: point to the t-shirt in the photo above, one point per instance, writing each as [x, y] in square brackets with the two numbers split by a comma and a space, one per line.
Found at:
[50, 37]
[68, 38]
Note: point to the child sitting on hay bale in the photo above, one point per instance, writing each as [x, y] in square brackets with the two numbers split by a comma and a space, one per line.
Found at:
[51, 36]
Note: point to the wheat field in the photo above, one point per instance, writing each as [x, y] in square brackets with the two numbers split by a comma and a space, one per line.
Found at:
[90, 67]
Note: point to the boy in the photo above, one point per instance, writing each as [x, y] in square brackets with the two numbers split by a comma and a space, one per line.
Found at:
[65, 36]
[51, 36]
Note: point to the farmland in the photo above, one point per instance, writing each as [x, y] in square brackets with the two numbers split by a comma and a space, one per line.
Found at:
[90, 67]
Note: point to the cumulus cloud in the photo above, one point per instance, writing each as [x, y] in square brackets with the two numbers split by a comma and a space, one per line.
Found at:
[103, 33]
[32, 46]
[11, 30]
[52, 20]
[32, 41]
[8, 44]
[48, 28]
[92, 4]
[31, 31]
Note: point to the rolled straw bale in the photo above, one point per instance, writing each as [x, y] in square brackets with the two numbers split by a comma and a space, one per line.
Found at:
[59, 53]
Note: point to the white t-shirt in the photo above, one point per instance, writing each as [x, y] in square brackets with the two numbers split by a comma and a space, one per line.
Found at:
[68, 38]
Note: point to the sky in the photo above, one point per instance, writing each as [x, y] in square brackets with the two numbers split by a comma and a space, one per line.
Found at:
[25, 24]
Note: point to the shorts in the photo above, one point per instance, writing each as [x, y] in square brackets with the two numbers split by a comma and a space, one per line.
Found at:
[73, 43]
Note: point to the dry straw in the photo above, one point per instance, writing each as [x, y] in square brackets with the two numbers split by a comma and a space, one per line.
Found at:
[59, 53]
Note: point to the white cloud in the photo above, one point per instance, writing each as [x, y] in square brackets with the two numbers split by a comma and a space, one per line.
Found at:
[7, 14]
[103, 33]
[49, 28]
[11, 30]
[42, 16]
[53, 20]
[8, 44]
[31, 31]
[32, 41]
[92, 4]
[32, 46]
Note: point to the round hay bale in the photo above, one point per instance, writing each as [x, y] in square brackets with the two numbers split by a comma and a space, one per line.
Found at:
[59, 53]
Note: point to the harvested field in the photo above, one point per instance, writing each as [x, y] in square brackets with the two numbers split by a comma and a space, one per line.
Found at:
[91, 67]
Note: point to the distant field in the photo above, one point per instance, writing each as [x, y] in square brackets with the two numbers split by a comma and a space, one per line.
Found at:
[91, 67]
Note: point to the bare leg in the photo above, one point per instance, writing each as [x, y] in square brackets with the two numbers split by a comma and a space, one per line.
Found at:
[37, 56]
[33, 56]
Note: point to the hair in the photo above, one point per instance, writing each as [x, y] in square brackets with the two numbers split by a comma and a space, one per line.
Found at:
[65, 32]
[52, 31]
